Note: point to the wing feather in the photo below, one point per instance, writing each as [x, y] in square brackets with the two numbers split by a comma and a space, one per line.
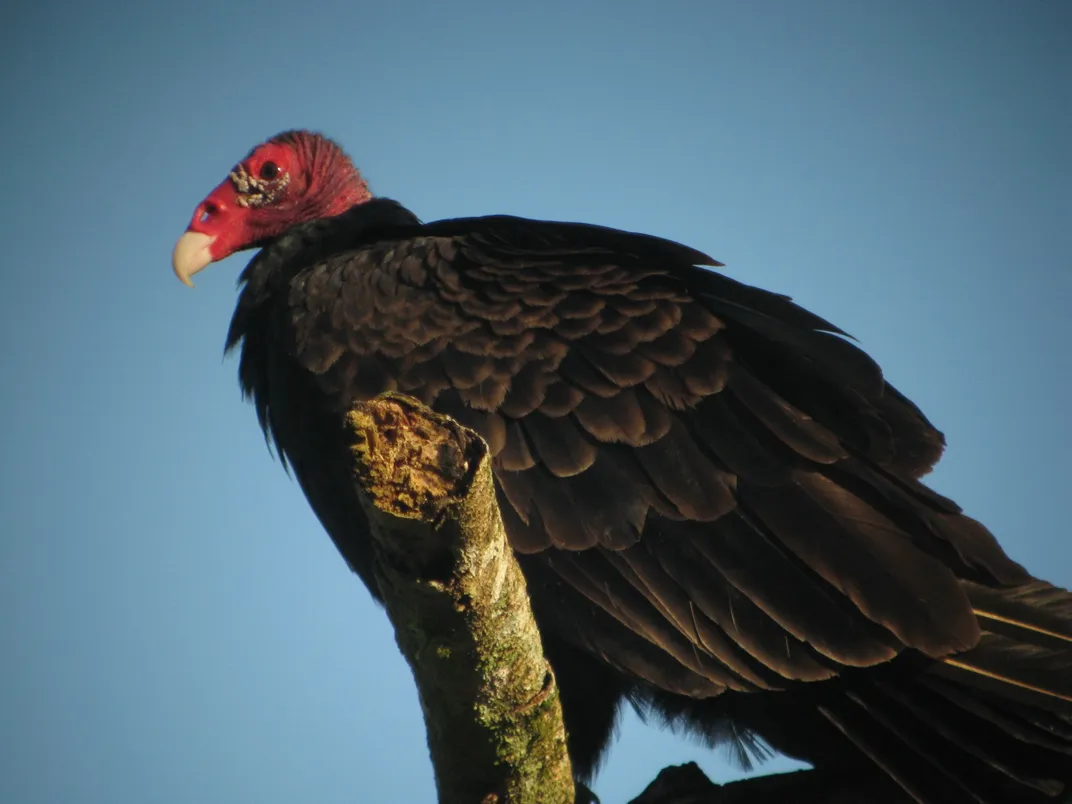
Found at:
[711, 488]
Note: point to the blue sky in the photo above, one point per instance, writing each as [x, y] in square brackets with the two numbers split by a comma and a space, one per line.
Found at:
[175, 626]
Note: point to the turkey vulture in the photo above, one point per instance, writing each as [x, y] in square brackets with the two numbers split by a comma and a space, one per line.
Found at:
[713, 494]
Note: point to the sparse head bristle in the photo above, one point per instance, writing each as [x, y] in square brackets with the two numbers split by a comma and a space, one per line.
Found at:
[333, 181]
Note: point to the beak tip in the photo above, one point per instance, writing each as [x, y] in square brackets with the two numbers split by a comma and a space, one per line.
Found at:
[192, 253]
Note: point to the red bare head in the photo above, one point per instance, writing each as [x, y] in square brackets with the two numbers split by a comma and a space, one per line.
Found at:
[292, 178]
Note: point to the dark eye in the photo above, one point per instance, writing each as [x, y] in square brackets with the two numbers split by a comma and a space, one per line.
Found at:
[269, 170]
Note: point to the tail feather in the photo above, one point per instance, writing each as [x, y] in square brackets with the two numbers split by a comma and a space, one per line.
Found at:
[964, 727]
[1025, 651]
[990, 725]
[1029, 726]
[919, 772]
[940, 750]
[1023, 672]
[1037, 613]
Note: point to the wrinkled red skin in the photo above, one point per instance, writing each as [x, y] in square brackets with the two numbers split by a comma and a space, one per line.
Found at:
[307, 186]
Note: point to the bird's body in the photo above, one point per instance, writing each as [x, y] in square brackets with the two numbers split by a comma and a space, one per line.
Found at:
[713, 494]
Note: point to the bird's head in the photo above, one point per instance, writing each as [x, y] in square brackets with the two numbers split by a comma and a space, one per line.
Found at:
[292, 178]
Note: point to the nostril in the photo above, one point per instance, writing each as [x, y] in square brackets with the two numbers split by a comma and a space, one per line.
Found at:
[210, 213]
[208, 210]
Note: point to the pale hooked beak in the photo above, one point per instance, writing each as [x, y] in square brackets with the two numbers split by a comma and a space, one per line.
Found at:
[191, 255]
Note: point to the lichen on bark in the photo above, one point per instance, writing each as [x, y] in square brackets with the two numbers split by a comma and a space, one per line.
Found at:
[459, 606]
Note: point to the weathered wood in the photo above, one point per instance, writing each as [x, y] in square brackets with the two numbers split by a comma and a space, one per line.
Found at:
[459, 606]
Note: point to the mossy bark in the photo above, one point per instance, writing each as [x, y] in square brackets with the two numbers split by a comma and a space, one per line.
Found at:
[459, 606]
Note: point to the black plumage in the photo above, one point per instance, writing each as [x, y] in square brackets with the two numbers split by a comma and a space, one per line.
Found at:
[713, 493]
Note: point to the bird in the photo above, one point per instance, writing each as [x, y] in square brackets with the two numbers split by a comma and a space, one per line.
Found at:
[714, 494]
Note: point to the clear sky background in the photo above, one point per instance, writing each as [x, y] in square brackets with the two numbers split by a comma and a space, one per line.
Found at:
[174, 625]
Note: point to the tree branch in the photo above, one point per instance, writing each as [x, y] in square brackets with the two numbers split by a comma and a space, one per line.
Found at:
[687, 784]
[459, 605]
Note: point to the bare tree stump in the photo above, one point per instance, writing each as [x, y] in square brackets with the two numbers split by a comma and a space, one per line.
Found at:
[459, 606]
